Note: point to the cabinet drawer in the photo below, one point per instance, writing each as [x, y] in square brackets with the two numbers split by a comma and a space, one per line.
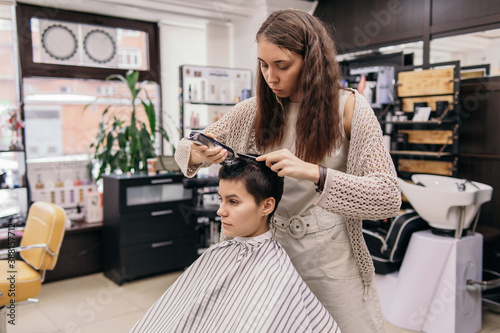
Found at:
[168, 222]
[157, 257]
[153, 195]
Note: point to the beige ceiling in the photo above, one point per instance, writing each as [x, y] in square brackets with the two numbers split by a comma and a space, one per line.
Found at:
[156, 10]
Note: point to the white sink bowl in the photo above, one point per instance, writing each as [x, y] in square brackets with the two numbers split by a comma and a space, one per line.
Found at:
[439, 200]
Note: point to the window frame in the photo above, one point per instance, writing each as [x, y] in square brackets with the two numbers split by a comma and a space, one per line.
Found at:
[24, 13]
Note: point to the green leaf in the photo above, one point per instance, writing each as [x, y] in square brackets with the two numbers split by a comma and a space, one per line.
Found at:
[116, 76]
[132, 77]
[149, 108]
[89, 104]
[126, 144]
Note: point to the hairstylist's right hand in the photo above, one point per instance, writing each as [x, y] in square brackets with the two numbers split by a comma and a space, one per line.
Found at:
[200, 154]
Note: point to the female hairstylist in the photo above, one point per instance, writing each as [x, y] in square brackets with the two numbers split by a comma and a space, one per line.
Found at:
[326, 141]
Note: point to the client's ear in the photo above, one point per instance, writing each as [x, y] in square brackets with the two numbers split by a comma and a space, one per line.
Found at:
[268, 206]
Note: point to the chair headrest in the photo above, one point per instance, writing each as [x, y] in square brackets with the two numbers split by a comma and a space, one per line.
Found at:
[45, 225]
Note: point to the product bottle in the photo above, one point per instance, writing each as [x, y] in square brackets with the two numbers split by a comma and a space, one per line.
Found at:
[202, 93]
[59, 183]
[197, 120]
[192, 121]
[51, 194]
[77, 181]
[223, 94]
[245, 94]
[195, 94]
[68, 185]
[41, 195]
[189, 94]
[39, 185]
[16, 180]
[388, 126]
[213, 98]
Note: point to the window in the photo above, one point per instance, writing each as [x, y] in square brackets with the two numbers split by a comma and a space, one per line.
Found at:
[67, 43]
[59, 43]
[65, 58]
[56, 123]
[66, 89]
[8, 91]
[105, 90]
[130, 58]
[477, 51]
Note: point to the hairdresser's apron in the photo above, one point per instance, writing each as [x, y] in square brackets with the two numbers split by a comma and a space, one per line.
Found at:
[318, 243]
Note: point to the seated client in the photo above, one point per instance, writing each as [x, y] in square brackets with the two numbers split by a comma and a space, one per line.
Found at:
[247, 283]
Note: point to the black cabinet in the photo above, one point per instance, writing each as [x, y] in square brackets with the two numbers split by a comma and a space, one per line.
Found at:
[146, 227]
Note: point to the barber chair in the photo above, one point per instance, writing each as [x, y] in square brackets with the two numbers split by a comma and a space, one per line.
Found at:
[205, 212]
[21, 280]
[387, 240]
[438, 287]
[491, 267]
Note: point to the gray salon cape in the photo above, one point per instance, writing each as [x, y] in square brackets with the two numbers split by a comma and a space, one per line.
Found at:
[240, 285]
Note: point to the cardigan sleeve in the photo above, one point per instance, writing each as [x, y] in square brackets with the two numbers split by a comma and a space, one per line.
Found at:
[232, 130]
[369, 189]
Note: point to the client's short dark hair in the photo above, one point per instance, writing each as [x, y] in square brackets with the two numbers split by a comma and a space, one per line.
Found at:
[260, 181]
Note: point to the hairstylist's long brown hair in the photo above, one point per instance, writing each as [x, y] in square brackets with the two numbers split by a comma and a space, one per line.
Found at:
[319, 124]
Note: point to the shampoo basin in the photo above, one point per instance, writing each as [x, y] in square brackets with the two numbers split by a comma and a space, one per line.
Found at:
[446, 203]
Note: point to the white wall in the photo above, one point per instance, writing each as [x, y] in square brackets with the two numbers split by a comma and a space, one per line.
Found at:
[218, 52]
[244, 45]
[477, 57]
[205, 33]
[203, 43]
[180, 44]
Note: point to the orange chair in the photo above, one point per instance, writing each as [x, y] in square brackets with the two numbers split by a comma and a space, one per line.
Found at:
[39, 249]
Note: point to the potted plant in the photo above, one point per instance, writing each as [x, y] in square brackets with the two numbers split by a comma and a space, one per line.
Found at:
[126, 145]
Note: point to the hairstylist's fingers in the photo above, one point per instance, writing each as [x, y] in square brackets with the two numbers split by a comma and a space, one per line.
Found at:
[270, 159]
[216, 155]
[277, 167]
[220, 160]
[213, 150]
[198, 148]
[261, 158]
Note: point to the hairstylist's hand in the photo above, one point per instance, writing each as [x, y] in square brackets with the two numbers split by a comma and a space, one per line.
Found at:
[287, 164]
[200, 154]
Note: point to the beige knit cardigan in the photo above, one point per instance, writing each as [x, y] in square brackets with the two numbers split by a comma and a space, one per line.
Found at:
[368, 190]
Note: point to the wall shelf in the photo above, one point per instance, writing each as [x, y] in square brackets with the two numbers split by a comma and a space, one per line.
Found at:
[421, 153]
[211, 103]
[207, 93]
[428, 146]
[411, 122]
[12, 151]
[12, 188]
